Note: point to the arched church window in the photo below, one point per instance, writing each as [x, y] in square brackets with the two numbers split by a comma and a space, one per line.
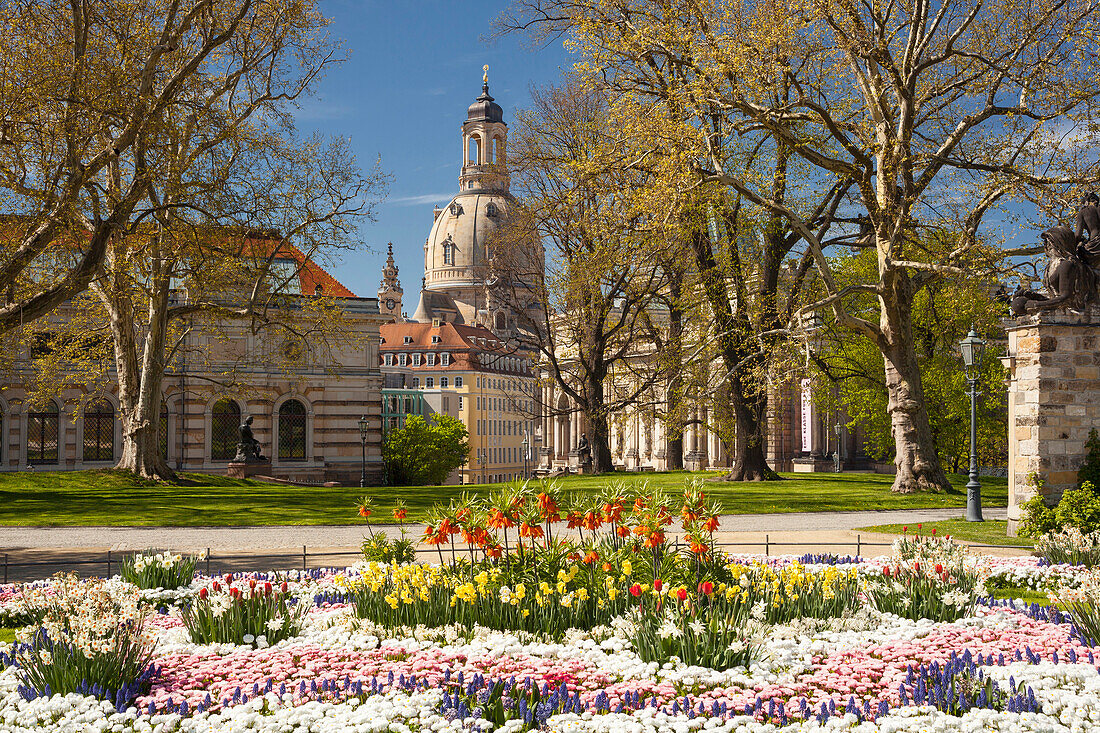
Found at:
[225, 419]
[43, 428]
[491, 210]
[448, 252]
[292, 431]
[99, 431]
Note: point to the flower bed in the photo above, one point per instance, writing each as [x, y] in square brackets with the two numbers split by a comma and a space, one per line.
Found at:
[864, 670]
[620, 632]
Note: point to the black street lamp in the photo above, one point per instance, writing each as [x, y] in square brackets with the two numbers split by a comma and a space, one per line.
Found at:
[972, 348]
[363, 439]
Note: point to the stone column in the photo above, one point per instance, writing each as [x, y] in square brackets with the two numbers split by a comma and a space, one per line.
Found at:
[1053, 401]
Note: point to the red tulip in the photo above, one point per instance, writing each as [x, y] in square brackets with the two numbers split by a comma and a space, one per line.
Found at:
[682, 594]
[657, 585]
[636, 590]
[706, 587]
[203, 593]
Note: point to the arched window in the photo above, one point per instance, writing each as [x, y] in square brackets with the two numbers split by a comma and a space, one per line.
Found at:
[162, 432]
[225, 419]
[292, 431]
[43, 428]
[99, 431]
[448, 252]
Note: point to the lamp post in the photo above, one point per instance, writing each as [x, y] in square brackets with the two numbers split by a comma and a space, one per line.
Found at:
[971, 348]
[363, 439]
[526, 446]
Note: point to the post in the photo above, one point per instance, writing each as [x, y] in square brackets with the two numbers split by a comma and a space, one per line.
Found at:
[108, 563]
[859, 547]
[767, 546]
[5, 568]
[303, 558]
[363, 471]
[973, 486]
[208, 562]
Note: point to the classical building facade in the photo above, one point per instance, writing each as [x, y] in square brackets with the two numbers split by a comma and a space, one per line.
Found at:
[306, 418]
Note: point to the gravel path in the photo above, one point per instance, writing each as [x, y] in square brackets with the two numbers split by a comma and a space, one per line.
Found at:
[253, 539]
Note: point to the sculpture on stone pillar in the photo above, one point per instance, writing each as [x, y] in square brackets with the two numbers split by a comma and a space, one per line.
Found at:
[1069, 281]
[584, 451]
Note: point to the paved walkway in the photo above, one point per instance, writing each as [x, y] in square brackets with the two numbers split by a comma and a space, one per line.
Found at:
[34, 552]
[282, 537]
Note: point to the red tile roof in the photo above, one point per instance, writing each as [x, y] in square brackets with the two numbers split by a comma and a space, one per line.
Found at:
[311, 275]
[450, 334]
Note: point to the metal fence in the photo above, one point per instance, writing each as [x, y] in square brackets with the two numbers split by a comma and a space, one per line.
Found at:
[217, 563]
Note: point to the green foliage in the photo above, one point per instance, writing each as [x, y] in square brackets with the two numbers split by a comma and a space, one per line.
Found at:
[421, 453]
[1090, 469]
[121, 667]
[258, 614]
[1070, 547]
[1080, 508]
[159, 570]
[380, 548]
[927, 578]
[1037, 518]
[944, 310]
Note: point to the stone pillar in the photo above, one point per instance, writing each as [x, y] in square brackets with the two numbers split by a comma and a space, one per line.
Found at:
[1053, 401]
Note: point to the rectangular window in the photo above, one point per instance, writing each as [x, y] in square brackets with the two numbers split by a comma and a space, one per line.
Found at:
[443, 382]
[416, 359]
[458, 381]
[388, 359]
[401, 359]
[416, 382]
[460, 403]
[429, 382]
[431, 359]
[445, 359]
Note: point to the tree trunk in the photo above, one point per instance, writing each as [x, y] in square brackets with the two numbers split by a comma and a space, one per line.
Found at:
[918, 465]
[750, 415]
[139, 386]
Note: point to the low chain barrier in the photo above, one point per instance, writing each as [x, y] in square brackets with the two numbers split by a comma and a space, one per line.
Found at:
[113, 559]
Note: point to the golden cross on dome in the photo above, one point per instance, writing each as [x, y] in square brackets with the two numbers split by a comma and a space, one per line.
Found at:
[485, 76]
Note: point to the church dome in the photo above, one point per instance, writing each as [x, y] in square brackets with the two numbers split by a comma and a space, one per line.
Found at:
[485, 109]
[455, 253]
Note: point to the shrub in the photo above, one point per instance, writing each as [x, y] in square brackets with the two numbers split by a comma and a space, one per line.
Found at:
[1089, 473]
[91, 641]
[159, 570]
[1080, 508]
[422, 453]
[1070, 547]
[380, 548]
[258, 614]
[1037, 518]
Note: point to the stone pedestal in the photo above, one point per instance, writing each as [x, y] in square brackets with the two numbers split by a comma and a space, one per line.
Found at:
[812, 464]
[240, 469]
[1053, 401]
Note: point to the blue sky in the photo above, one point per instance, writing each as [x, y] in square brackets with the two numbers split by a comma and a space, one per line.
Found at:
[414, 67]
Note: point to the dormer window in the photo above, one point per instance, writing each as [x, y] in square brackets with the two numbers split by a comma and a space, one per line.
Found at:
[387, 359]
[445, 359]
[431, 359]
[435, 339]
[408, 339]
[456, 208]
[416, 359]
[401, 359]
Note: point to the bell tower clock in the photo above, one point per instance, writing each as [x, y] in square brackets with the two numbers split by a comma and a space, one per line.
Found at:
[389, 291]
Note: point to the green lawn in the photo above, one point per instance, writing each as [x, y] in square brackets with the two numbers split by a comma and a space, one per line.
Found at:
[989, 532]
[89, 498]
[7, 636]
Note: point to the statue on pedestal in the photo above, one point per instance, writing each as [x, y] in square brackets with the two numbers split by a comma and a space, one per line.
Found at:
[1070, 280]
[248, 448]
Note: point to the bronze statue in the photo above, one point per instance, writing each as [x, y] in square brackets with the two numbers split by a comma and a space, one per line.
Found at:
[248, 448]
[1069, 281]
[1088, 218]
[584, 451]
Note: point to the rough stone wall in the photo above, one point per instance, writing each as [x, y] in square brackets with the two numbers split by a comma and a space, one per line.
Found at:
[1053, 401]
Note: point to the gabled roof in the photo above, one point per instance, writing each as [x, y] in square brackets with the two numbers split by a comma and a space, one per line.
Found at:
[451, 335]
[311, 275]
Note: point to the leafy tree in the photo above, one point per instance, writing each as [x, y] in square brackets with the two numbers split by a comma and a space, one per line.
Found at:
[422, 453]
[84, 85]
[934, 115]
[944, 310]
[224, 187]
[1090, 470]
